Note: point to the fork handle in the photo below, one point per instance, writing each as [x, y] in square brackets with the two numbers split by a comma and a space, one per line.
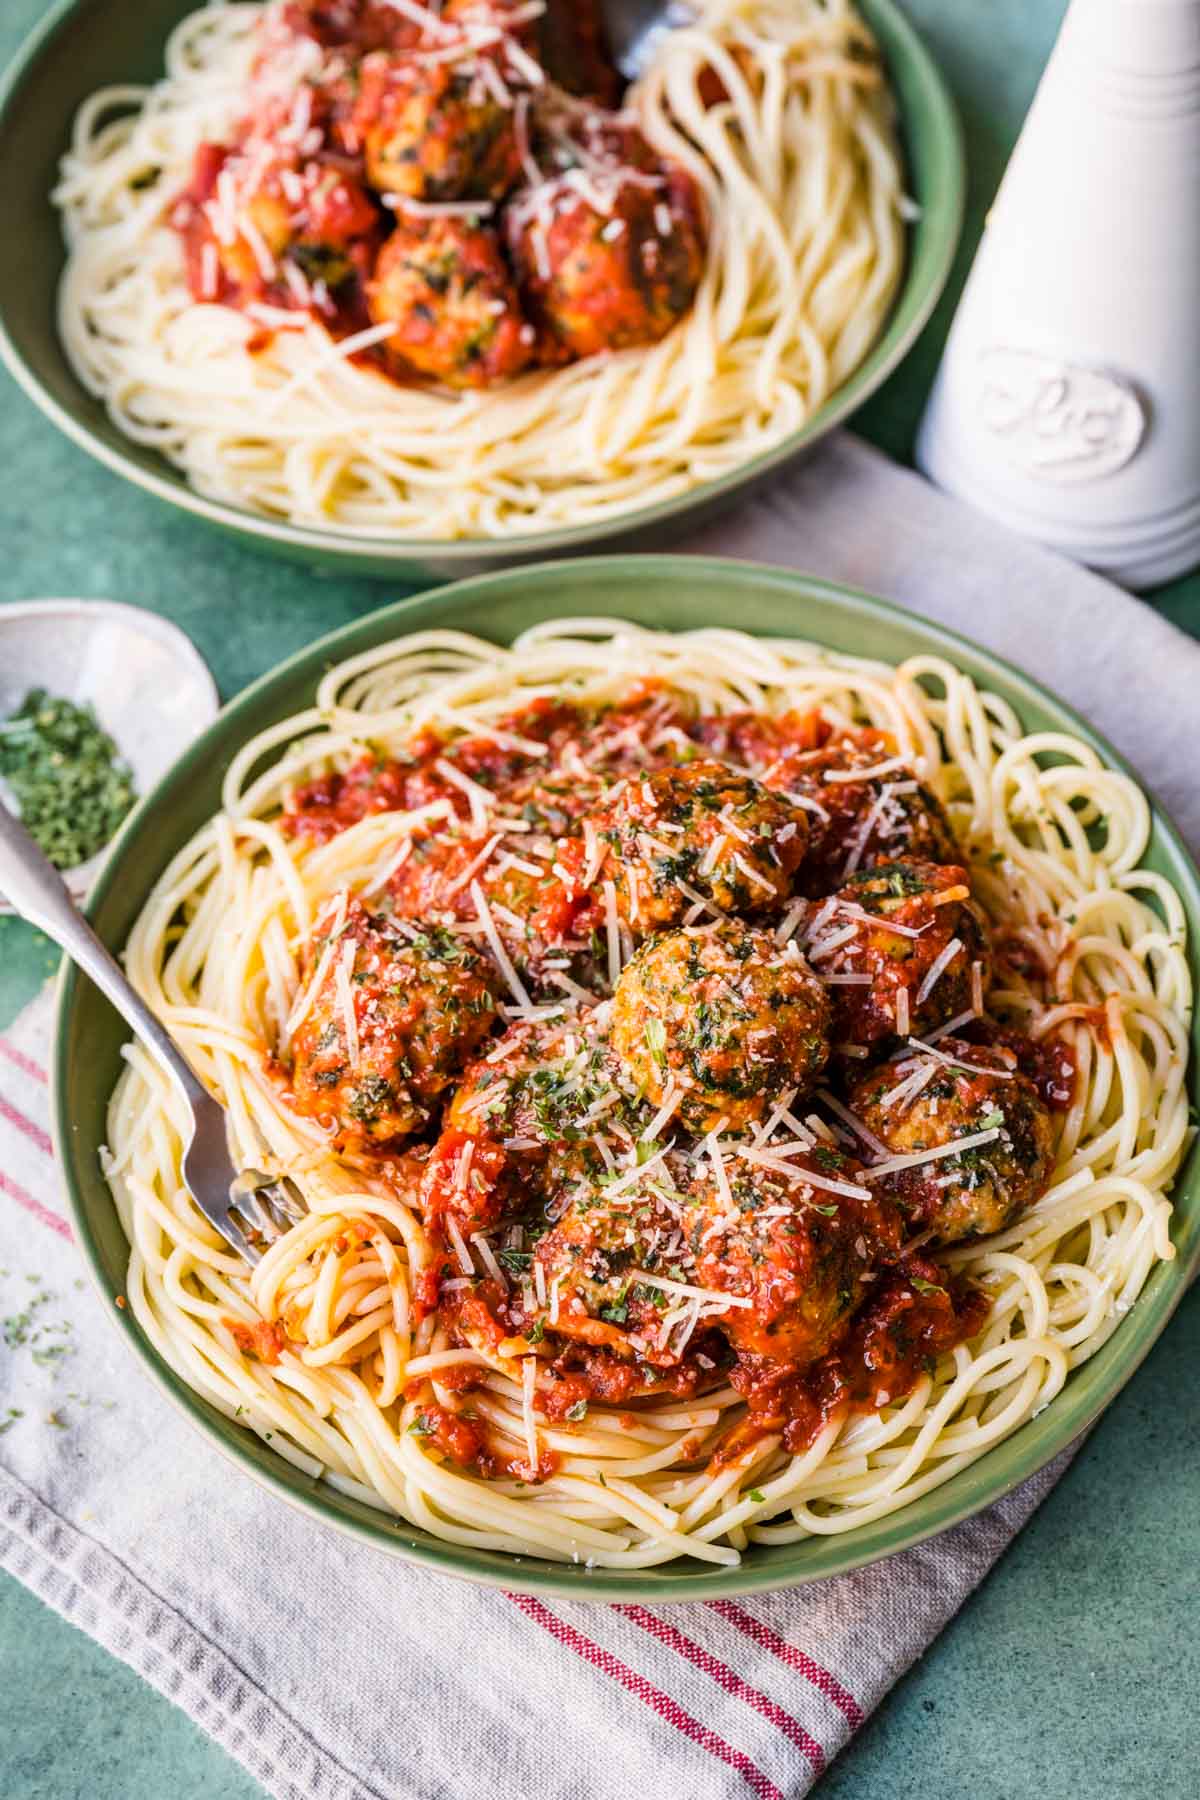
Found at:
[38, 892]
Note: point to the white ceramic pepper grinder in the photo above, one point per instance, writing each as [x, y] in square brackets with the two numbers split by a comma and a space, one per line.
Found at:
[1068, 400]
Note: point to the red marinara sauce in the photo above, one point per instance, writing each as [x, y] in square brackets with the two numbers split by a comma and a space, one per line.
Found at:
[525, 758]
[262, 1339]
[464, 1440]
[1048, 1062]
[914, 1316]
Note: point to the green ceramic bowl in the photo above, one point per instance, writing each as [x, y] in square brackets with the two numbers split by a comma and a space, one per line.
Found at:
[674, 593]
[85, 44]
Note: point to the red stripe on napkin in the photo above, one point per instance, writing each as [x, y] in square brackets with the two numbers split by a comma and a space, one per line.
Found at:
[41, 1213]
[19, 1122]
[725, 1678]
[19, 1060]
[645, 1691]
[768, 1639]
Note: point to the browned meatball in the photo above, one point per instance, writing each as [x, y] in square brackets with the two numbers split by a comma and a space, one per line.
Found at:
[434, 131]
[395, 1018]
[294, 212]
[723, 1017]
[696, 831]
[609, 252]
[522, 1110]
[904, 949]
[602, 1262]
[533, 889]
[799, 1253]
[865, 819]
[443, 285]
[918, 1101]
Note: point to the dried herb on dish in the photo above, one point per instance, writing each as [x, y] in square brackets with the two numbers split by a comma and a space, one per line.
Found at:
[66, 776]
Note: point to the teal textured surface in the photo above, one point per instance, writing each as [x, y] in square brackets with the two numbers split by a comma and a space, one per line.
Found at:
[1074, 1669]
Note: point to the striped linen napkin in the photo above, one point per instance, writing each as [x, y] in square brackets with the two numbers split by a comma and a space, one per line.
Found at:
[329, 1669]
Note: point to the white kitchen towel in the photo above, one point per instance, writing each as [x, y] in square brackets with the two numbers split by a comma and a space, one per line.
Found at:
[334, 1672]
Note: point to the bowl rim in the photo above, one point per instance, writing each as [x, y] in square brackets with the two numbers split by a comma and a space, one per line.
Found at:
[884, 355]
[971, 1489]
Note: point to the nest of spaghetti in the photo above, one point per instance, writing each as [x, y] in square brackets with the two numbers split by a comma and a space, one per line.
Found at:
[678, 1058]
[451, 186]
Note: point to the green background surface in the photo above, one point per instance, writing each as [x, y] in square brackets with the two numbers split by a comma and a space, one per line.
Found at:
[1074, 1670]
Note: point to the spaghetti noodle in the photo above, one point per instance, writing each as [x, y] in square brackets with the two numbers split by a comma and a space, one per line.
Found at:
[776, 110]
[403, 1346]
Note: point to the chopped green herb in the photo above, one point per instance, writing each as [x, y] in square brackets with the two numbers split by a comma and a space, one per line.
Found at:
[369, 1099]
[755, 1494]
[577, 1412]
[926, 1287]
[66, 777]
[656, 1039]
[515, 1261]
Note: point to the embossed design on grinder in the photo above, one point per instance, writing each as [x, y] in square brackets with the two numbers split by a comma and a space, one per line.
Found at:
[1056, 420]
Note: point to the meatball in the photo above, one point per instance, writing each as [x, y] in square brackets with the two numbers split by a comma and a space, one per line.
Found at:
[595, 1260]
[924, 962]
[434, 131]
[609, 246]
[609, 265]
[534, 892]
[519, 1117]
[444, 287]
[919, 1101]
[724, 1017]
[800, 1248]
[395, 1017]
[694, 833]
[325, 225]
[860, 819]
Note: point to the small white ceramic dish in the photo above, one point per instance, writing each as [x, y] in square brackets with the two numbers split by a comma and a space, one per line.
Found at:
[149, 686]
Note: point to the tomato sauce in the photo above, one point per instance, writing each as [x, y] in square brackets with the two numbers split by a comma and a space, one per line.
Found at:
[265, 1341]
[915, 1315]
[550, 763]
[466, 1442]
[544, 776]
[1048, 1062]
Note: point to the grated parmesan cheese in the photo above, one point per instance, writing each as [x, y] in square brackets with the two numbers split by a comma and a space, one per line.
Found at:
[487, 1257]
[479, 798]
[955, 1148]
[937, 969]
[345, 996]
[503, 960]
[458, 1244]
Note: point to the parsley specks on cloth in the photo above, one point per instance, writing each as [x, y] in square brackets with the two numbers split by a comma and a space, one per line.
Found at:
[66, 776]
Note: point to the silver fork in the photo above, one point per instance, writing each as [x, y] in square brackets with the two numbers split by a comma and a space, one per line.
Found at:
[248, 1208]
